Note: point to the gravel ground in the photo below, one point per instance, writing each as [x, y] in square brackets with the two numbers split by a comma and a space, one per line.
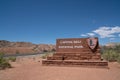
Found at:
[30, 68]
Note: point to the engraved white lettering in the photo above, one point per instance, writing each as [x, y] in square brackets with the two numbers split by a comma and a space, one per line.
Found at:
[78, 46]
[66, 42]
[65, 47]
[77, 41]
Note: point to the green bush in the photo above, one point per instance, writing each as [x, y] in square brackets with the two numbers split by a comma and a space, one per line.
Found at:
[53, 50]
[45, 56]
[45, 50]
[118, 59]
[4, 62]
[111, 54]
[13, 59]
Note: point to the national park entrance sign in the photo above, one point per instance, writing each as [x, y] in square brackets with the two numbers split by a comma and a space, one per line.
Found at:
[76, 52]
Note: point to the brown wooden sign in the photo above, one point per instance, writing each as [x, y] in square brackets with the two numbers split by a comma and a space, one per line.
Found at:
[76, 44]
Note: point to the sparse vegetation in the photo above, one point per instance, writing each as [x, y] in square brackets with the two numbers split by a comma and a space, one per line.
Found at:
[53, 50]
[45, 50]
[44, 56]
[111, 53]
[13, 59]
[4, 62]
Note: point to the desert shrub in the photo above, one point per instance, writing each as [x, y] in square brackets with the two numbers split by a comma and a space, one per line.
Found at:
[4, 62]
[45, 50]
[53, 50]
[45, 56]
[13, 59]
[118, 59]
[111, 54]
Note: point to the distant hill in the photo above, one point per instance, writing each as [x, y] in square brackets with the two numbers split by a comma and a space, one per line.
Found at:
[8, 47]
[112, 44]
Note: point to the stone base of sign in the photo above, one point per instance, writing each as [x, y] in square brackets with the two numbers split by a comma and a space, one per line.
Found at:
[84, 63]
[75, 56]
[76, 59]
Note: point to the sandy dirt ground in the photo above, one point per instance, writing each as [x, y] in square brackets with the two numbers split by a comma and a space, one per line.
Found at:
[30, 68]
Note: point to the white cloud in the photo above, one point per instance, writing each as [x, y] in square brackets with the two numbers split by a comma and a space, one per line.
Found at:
[88, 34]
[84, 35]
[107, 31]
[115, 29]
[91, 34]
[112, 38]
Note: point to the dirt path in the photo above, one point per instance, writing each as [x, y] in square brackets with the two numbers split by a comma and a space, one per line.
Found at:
[31, 69]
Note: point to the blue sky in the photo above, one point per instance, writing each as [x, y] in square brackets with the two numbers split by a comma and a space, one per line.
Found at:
[43, 21]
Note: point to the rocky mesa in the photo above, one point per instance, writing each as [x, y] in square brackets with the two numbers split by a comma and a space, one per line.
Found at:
[8, 47]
